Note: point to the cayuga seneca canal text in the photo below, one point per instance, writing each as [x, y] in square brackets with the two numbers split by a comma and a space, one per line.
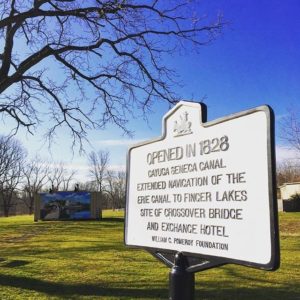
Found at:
[188, 168]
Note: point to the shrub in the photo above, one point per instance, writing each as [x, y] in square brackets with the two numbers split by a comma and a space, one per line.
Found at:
[295, 197]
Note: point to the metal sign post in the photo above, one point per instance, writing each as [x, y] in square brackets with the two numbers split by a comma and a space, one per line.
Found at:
[203, 194]
[182, 283]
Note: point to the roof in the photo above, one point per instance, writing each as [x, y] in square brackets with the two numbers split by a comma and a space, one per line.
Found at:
[289, 183]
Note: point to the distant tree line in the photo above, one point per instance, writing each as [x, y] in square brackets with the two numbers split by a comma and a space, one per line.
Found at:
[288, 170]
[21, 178]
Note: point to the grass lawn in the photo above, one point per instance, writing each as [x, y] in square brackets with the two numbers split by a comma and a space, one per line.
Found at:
[88, 260]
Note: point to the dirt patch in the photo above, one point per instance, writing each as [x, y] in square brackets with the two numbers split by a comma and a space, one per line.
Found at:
[289, 227]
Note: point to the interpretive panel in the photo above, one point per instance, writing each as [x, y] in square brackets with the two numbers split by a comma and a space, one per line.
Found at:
[65, 206]
[206, 188]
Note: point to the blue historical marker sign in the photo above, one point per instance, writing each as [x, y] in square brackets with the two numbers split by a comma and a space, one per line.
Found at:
[206, 189]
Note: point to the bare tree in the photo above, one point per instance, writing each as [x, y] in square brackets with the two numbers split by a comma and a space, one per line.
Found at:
[98, 163]
[290, 129]
[35, 177]
[12, 156]
[117, 188]
[288, 171]
[90, 186]
[60, 178]
[90, 63]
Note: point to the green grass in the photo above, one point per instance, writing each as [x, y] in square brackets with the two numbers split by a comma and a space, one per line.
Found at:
[88, 260]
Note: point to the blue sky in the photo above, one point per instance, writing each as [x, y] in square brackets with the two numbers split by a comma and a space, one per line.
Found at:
[255, 61]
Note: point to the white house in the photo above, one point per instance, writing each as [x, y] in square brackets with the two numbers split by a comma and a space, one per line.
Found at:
[289, 189]
[286, 191]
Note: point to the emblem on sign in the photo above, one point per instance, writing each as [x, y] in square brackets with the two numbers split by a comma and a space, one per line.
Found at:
[182, 127]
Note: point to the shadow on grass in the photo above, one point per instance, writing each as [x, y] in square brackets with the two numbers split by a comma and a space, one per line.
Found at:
[77, 290]
[247, 293]
[116, 219]
[207, 292]
[15, 263]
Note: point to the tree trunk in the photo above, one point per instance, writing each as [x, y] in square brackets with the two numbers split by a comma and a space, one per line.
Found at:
[5, 210]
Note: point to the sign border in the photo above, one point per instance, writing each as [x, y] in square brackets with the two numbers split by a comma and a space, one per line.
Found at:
[274, 262]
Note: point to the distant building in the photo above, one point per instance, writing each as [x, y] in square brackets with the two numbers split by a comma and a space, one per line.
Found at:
[289, 189]
[284, 200]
